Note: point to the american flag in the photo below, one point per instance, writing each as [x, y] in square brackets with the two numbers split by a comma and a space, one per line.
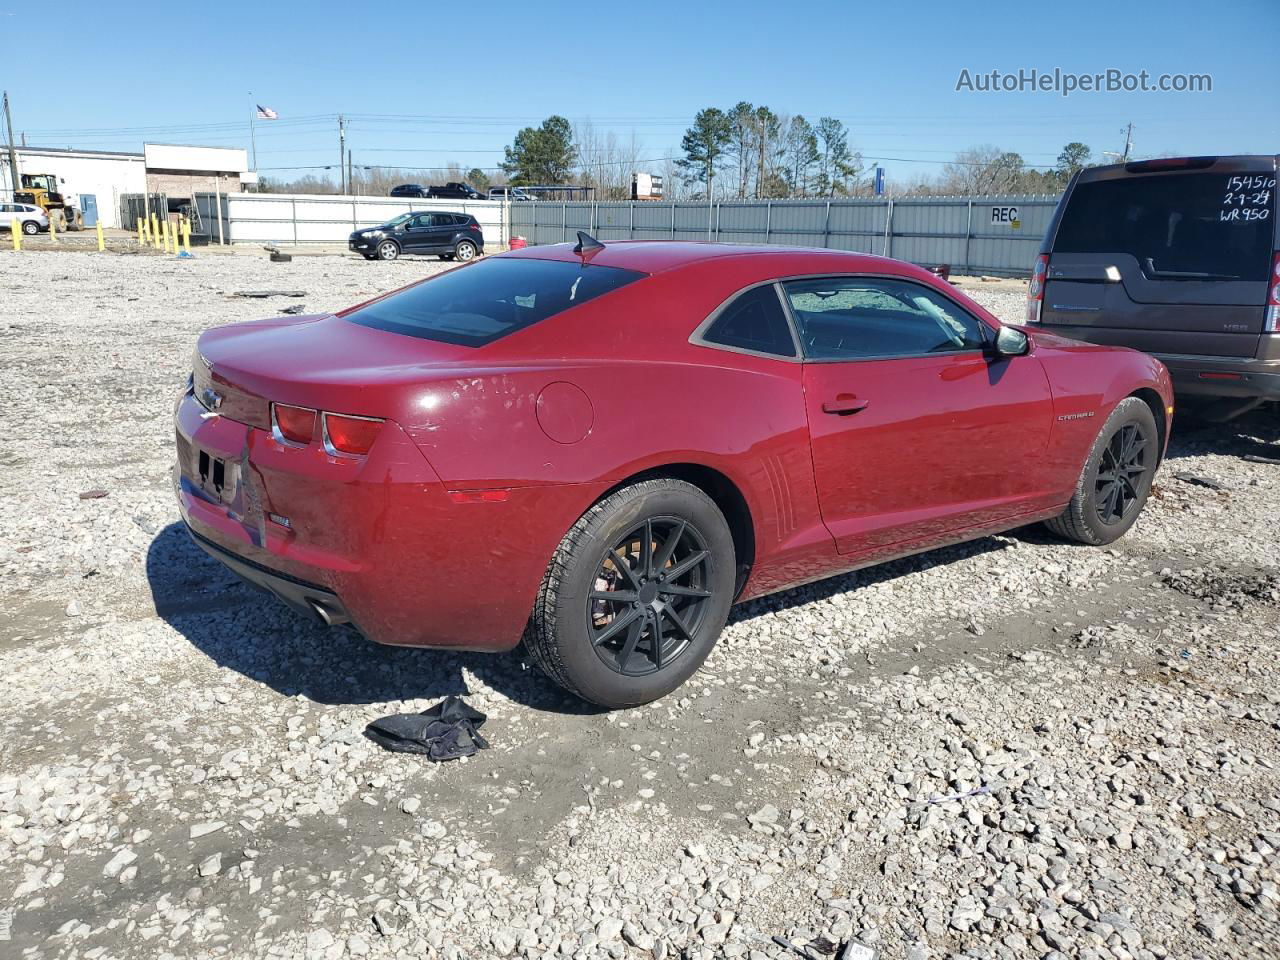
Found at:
[266, 113]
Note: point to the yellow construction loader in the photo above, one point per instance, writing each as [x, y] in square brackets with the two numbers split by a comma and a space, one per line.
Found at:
[42, 190]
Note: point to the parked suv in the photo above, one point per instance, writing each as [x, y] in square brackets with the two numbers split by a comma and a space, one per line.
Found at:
[452, 236]
[1179, 258]
[31, 219]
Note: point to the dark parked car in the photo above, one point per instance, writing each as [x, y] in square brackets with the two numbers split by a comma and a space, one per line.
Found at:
[603, 448]
[451, 236]
[455, 191]
[1179, 258]
[411, 190]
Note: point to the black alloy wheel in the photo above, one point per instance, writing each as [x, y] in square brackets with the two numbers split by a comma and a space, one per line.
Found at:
[650, 595]
[1118, 484]
[636, 595]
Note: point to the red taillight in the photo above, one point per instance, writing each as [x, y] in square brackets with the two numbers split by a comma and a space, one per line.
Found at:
[295, 424]
[475, 227]
[1035, 289]
[353, 436]
[1271, 324]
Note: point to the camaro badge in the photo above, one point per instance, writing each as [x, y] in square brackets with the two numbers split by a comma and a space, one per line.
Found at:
[1076, 416]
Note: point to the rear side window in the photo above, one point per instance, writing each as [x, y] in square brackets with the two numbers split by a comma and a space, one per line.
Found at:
[1193, 226]
[755, 322]
[484, 301]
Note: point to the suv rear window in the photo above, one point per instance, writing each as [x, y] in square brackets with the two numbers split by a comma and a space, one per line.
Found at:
[484, 301]
[1203, 226]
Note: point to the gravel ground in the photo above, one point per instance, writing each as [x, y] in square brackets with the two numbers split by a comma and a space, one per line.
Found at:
[1012, 748]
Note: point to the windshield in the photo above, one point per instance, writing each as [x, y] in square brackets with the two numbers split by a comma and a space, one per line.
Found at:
[1193, 226]
[477, 304]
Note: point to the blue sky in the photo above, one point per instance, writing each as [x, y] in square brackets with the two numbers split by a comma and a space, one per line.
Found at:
[429, 83]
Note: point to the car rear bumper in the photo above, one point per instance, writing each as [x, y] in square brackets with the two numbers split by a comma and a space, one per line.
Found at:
[1193, 374]
[1242, 377]
[308, 599]
[379, 542]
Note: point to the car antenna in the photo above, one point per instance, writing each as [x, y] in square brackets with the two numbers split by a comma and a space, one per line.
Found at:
[587, 244]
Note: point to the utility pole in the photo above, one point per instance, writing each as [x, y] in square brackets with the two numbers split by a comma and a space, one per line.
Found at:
[351, 173]
[1128, 142]
[13, 154]
[342, 154]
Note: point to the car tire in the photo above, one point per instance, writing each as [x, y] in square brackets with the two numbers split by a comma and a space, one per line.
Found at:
[388, 250]
[465, 251]
[1116, 479]
[641, 645]
[30, 228]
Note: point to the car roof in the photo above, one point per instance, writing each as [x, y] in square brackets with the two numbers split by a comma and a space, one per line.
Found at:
[657, 256]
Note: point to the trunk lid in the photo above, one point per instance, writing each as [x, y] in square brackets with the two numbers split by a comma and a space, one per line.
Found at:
[319, 361]
[1166, 258]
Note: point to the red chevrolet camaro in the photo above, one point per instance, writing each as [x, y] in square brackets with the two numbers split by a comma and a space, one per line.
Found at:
[603, 448]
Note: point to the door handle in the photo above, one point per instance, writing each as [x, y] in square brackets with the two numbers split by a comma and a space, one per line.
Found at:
[844, 404]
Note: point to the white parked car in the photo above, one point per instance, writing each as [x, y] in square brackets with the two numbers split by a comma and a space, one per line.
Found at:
[31, 219]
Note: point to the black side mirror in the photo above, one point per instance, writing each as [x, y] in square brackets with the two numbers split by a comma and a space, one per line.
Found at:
[1012, 342]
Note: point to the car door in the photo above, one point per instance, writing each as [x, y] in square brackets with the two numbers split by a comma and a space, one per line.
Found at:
[918, 430]
[443, 228]
[417, 234]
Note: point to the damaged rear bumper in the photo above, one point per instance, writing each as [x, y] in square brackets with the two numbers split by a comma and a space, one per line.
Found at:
[308, 599]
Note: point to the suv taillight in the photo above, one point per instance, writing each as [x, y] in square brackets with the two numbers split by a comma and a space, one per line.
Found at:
[1272, 323]
[1035, 289]
[474, 226]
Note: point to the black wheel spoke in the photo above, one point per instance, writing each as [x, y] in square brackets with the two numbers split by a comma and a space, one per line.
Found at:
[614, 596]
[681, 591]
[687, 564]
[669, 547]
[674, 616]
[615, 626]
[655, 640]
[624, 569]
[633, 638]
[644, 566]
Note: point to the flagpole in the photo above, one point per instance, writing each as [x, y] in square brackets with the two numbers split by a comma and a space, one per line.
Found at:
[253, 140]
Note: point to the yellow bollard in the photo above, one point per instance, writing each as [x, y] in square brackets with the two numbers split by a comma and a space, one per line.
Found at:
[155, 232]
[15, 228]
[141, 232]
[53, 227]
[186, 234]
[164, 233]
[102, 242]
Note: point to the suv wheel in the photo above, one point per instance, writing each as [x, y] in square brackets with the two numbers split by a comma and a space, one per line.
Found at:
[30, 228]
[465, 250]
[636, 595]
[388, 250]
[1117, 477]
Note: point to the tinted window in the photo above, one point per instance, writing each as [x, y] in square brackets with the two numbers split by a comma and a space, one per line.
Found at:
[754, 321]
[478, 304]
[1193, 223]
[850, 318]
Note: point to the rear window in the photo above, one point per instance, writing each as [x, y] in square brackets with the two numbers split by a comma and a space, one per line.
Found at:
[484, 301]
[1200, 226]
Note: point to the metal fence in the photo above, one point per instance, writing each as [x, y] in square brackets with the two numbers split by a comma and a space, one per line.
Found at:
[976, 235]
[301, 219]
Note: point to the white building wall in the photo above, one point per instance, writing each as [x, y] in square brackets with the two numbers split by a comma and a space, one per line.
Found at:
[105, 177]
